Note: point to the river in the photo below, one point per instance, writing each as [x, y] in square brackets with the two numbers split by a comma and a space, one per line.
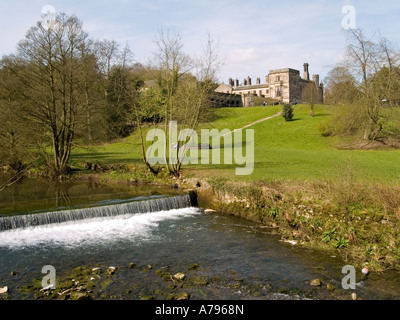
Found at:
[239, 259]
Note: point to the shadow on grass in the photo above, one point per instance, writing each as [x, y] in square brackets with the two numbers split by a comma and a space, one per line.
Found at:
[106, 157]
[321, 115]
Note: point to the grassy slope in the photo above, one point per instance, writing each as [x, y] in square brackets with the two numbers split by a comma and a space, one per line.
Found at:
[283, 150]
[296, 150]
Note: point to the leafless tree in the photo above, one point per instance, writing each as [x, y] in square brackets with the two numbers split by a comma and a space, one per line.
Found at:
[184, 83]
[311, 95]
[367, 58]
[49, 64]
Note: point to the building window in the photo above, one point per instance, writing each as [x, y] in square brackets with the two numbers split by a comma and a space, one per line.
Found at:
[278, 78]
[278, 91]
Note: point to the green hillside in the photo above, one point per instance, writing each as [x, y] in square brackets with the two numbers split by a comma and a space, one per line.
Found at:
[283, 150]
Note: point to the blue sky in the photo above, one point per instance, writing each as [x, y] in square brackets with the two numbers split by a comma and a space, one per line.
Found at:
[254, 36]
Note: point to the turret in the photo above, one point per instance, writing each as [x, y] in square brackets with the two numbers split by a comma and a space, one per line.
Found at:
[306, 75]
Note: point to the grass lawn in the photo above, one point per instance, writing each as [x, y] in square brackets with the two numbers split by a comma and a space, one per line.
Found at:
[283, 150]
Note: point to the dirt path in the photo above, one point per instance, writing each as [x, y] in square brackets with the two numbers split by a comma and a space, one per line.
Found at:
[253, 123]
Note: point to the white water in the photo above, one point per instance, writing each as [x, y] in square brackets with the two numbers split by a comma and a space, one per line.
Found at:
[96, 231]
[152, 205]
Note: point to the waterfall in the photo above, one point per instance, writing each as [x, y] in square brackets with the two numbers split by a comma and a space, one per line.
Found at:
[147, 206]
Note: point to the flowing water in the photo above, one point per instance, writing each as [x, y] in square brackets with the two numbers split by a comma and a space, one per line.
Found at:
[240, 259]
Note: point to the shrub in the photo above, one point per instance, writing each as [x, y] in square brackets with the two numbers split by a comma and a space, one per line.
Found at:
[287, 112]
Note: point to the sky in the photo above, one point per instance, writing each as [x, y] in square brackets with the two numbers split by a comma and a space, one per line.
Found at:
[253, 36]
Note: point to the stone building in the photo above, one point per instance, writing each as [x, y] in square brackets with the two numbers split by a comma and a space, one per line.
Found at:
[281, 85]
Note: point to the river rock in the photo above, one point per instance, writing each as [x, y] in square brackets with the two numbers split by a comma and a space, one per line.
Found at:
[330, 287]
[3, 290]
[354, 296]
[194, 266]
[182, 296]
[110, 271]
[132, 265]
[179, 276]
[78, 296]
[208, 211]
[96, 270]
[200, 281]
[315, 282]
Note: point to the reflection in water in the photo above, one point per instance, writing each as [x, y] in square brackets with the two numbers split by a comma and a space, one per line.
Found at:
[29, 195]
[62, 196]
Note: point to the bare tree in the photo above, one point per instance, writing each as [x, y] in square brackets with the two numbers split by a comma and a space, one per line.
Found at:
[184, 84]
[107, 53]
[311, 95]
[48, 65]
[367, 84]
[366, 58]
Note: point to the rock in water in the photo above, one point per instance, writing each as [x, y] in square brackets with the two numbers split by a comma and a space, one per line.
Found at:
[330, 287]
[179, 276]
[315, 282]
[96, 270]
[79, 296]
[3, 290]
[182, 296]
[110, 271]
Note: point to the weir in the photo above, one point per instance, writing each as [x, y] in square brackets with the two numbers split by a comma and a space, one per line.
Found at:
[146, 206]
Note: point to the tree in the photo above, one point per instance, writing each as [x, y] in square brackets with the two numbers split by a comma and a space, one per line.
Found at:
[107, 52]
[367, 84]
[91, 127]
[48, 66]
[121, 98]
[363, 58]
[341, 87]
[287, 112]
[311, 95]
[14, 135]
[178, 94]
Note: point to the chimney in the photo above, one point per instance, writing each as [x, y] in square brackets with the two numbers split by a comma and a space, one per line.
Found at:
[231, 82]
[236, 83]
[315, 78]
[258, 81]
[306, 75]
[248, 81]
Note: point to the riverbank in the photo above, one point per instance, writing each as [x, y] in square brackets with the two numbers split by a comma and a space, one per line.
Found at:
[357, 221]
